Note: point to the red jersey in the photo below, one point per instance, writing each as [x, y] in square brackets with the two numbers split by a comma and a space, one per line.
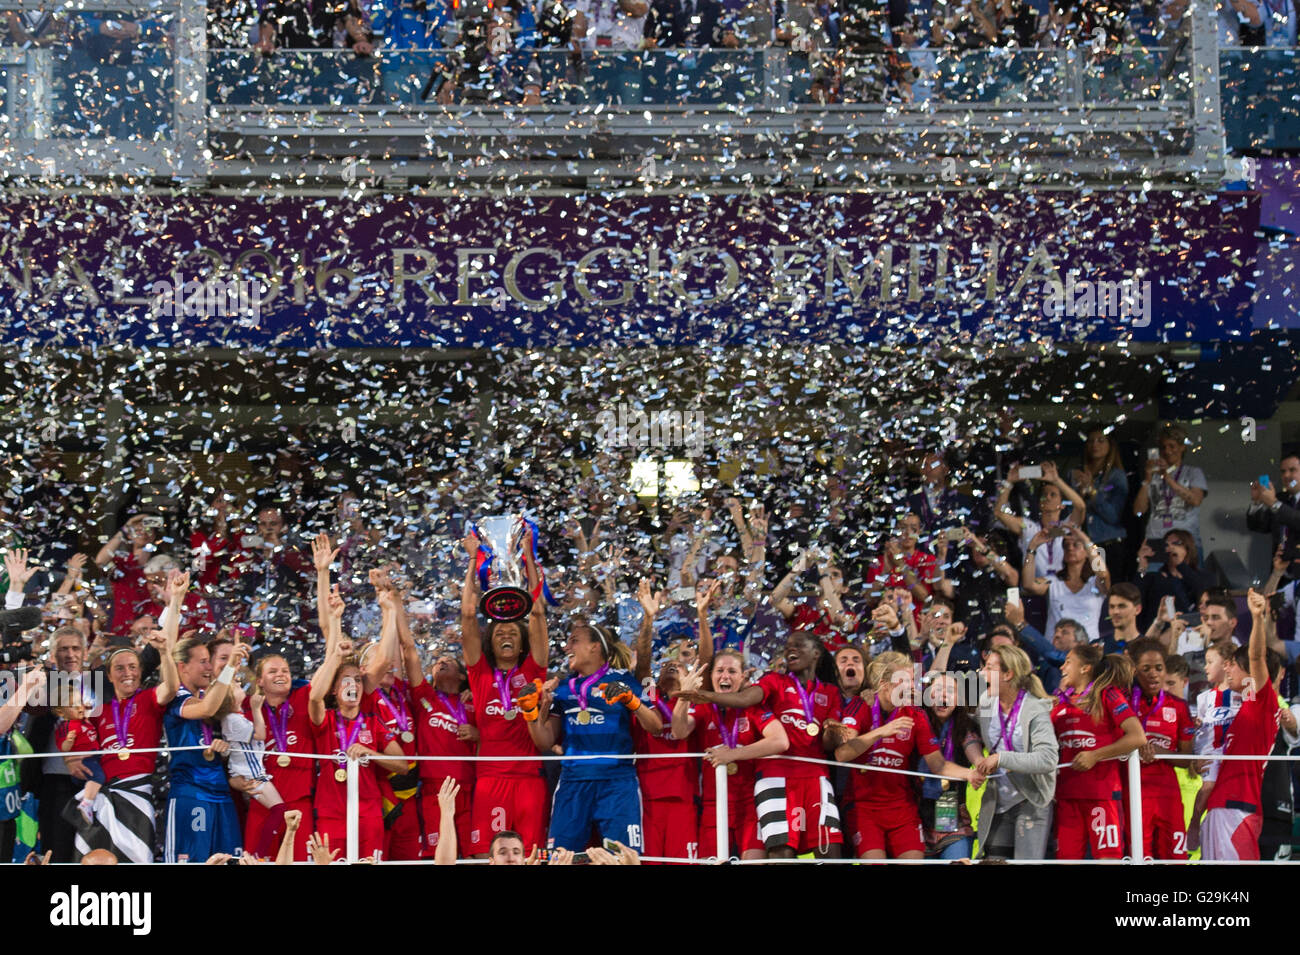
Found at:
[330, 736]
[143, 719]
[1253, 732]
[289, 729]
[499, 736]
[395, 710]
[210, 556]
[894, 752]
[747, 727]
[1167, 722]
[130, 593]
[781, 696]
[76, 736]
[665, 778]
[808, 616]
[437, 718]
[1077, 732]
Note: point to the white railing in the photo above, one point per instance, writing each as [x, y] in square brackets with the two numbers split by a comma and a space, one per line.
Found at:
[722, 847]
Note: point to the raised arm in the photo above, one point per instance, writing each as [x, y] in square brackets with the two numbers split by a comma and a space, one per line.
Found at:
[471, 640]
[114, 543]
[445, 854]
[177, 586]
[780, 595]
[704, 636]
[201, 709]
[1079, 510]
[1258, 647]
[756, 556]
[1030, 582]
[650, 604]
[1012, 522]
[539, 637]
[410, 653]
[323, 554]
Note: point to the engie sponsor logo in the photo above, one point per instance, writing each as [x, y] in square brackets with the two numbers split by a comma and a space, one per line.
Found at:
[78, 909]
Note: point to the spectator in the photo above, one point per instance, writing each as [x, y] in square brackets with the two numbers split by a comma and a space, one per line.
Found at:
[610, 31]
[1172, 491]
[1124, 606]
[1276, 511]
[1103, 485]
[130, 592]
[1015, 718]
[1049, 552]
[1180, 576]
[271, 578]
[1218, 622]
[904, 565]
[937, 503]
[290, 25]
[1078, 590]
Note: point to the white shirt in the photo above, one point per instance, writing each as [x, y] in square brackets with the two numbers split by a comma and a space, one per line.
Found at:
[1084, 607]
[1050, 556]
[608, 27]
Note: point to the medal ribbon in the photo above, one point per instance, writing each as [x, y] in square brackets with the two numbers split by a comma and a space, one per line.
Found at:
[278, 721]
[805, 698]
[1137, 709]
[503, 688]
[454, 707]
[580, 693]
[729, 737]
[398, 710]
[353, 731]
[120, 722]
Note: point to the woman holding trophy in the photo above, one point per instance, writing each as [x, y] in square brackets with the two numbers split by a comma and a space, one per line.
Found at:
[509, 795]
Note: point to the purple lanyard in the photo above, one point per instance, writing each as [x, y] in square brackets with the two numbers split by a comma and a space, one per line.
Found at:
[580, 693]
[278, 720]
[945, 740]
[806, 698]
[1168, 493]
[1137, 709]
[454, 707]
[120, 722]
[400, 716]
[664, 708]
[353, 731]
[1007, 724]
[729, 739]
[503, 688]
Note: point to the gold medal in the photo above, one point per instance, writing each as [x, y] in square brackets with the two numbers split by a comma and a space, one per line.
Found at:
[407, 736]
[340, 775]
[124, 754]
[813, 728]
[282, 761]
[510, 714]
[732, 769]
[944, 784]
[209, 755]
[584, 717]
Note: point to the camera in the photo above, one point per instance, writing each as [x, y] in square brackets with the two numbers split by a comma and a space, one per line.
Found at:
[13, 623]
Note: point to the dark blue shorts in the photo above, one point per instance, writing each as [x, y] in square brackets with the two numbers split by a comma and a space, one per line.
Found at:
[611, 806]
[197, 828]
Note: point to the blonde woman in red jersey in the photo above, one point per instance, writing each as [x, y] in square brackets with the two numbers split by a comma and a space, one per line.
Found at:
[882, 729]
[1094, 723]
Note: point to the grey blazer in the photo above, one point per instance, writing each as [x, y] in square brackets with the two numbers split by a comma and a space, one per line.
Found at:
[1033, 773]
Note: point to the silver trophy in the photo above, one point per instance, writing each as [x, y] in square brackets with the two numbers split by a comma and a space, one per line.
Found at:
[500, 567]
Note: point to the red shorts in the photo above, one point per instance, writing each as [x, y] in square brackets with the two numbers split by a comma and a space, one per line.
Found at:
[889, 828]
[257, 814]
[797, 812]
[1096, 826]
[669, 828]
[433, 817]
[504, 803]
[1163, 834]
[402, 838]
[371, 835]
[742, 835]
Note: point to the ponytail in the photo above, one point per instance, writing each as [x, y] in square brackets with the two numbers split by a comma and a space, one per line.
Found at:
[1113, 670]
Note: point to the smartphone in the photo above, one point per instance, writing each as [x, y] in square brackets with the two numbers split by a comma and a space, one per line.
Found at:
[1032, 472]
[1169, 607]
[955, 534]
[1013, 595]
[1263, 480]
[684, 593]
[422, 608]
[1060, 530]
[611, 846]
[252, 540]
[152, 521]
[1153, 453]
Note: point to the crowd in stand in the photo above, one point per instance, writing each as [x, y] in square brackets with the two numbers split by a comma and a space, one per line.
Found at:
[530, 51]
[1079, 597]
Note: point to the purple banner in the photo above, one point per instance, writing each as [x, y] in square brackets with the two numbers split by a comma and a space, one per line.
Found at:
[209, 271]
